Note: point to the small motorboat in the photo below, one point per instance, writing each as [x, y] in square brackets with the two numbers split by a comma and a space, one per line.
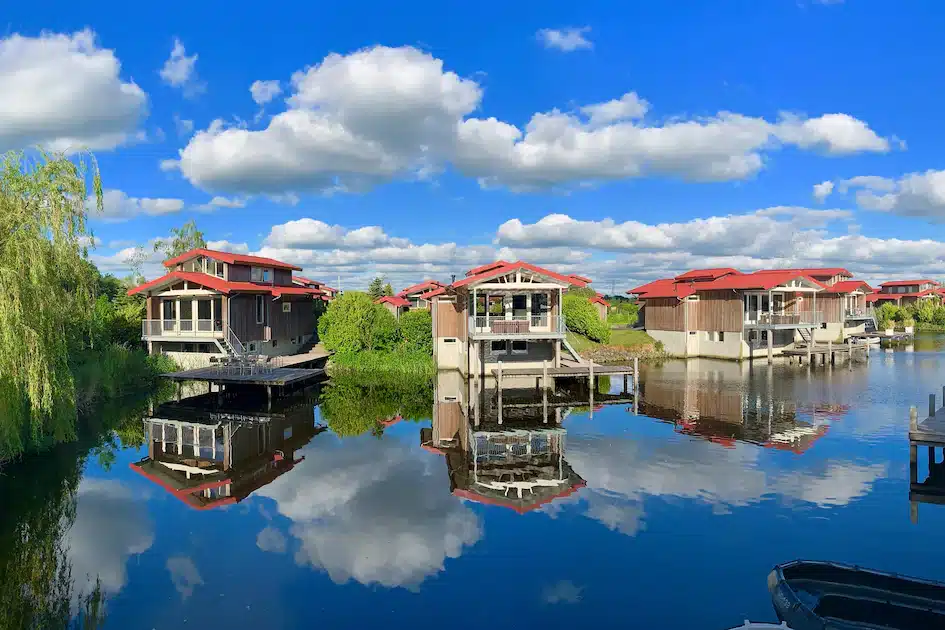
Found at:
[830, 596]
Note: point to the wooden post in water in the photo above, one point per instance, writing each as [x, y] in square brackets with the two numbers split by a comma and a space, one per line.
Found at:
[913, 418]
[544, 404]
[625, 390]
[590, 374]
[913, 463]
[830, 356]
[499, 385]
[770, 346]
[544, 374]
[931, 405]
[636, 379]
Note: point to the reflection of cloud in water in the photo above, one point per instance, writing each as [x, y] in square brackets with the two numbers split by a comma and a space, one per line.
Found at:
[271, 539]
[110, 525]
[184, 574]
[621, 473]
[563, 592]
[368, 510]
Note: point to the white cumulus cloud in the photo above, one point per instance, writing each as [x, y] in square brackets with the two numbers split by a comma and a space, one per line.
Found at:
[118, 206]
[913, 195]
[180, 70]
[65, 92]
[565, 39]
[265, 91]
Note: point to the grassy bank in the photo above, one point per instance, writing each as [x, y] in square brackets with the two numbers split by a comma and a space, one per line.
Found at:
[624, 344]
[920, 327]
[378, 363]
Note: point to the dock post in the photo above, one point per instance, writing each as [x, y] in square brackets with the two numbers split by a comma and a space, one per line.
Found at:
[544, 374]
[830, 352]
[544, 405]
[625, 390]
[770, 346]
[931, 405]
[913, 418]
[499, 385]
[590, 368]
[268, 397]
[810, 348]
[180, 390]
[636, 375]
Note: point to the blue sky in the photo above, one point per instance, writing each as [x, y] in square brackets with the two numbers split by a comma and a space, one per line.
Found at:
[622, 142]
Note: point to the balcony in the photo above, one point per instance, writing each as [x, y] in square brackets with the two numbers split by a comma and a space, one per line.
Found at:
[801, 319]
[184, 328]
[516, 326]
[858, 313]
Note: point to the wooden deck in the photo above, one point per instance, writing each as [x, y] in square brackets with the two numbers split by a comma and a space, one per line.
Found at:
[827, 353]
[931, 434]
[279, 377]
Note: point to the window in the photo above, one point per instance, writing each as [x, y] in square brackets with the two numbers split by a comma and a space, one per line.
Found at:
[519, 347]
[252, 347]
[260, 309]
[260, 274]
[217, 268]
[287, 307]
[498, 346]
[721, 336]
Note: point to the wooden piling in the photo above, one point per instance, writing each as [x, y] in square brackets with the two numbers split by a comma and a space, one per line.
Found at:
[913, 418]
[544, 374]
[931, 405]
[636, 377]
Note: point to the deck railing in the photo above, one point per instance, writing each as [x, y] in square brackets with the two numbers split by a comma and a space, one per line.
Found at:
[180, 328]
[546, 323]
[801, 318]
[858, 313]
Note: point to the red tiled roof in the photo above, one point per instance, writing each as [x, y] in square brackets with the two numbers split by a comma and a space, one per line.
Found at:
[599, 299]
[433, 293]
[813, 271]
[583, 279]
[763, 281]
[223, 286]
[848, 286]
[396, 300]
[419, 288]
[665, 288]
[231, 258]
[521, 509]
[915, 294]
[477, 270]
[905, 283]
[708, 273]
[493, 271]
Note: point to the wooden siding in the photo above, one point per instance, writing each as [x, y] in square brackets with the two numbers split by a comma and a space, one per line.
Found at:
[665, 314]
[283, 277]
[243, 318]
[153, 308]
[830, 305]
[299, 321]
[450, 318]
[716, 311]
[238, 273]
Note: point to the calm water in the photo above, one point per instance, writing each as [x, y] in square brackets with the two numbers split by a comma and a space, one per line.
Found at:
[363, 505]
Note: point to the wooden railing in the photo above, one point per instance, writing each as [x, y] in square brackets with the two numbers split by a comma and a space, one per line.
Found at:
[516, 325]
[180, 328]
[801, 318]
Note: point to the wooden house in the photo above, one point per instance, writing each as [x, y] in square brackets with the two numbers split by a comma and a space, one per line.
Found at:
[905, 292]
[725, 313]
[414, 294]
[395, 304]
[506, 312]
[212, 303]
[601, 305]
[326, 293]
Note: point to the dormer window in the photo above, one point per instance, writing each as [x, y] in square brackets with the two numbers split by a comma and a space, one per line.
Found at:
[261, 274]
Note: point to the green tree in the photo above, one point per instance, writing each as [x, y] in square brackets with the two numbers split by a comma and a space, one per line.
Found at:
[354, 323]
[388, 289]
[46, 292]
[581, 317]
[416, 327]
[925, 311]
[182, 240]
[376, 288]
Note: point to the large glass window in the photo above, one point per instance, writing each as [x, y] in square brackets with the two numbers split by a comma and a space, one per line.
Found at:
[261, 274]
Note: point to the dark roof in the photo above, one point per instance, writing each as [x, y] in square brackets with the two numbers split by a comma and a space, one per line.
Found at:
[231, 258]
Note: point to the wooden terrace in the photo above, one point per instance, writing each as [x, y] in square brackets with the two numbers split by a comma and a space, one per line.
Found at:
[827, 353]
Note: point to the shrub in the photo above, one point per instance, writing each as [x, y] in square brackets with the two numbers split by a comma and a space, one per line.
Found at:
[353, 323]
[938, 318]
[580, 316]
[416, 328]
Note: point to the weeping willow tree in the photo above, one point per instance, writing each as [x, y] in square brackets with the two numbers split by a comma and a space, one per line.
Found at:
[45, 293]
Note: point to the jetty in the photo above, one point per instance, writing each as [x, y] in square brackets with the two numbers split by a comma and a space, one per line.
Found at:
[828, 353]
[281, 373]
[929, 433]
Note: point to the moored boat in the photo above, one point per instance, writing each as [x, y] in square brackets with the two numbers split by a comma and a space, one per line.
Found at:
[812, 595]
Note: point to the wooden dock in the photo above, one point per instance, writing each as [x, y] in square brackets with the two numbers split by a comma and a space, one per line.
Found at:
[827, 353]
[279, 377]
[931, 434]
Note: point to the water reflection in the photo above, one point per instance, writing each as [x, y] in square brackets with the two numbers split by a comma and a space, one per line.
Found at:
[210, 457]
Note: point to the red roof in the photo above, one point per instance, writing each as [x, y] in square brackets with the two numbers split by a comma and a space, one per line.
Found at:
[813, 271]
[420, 288]
[905, 283]
[711, 274]
[763, 281]
[665, 288]
[521, 509]
[396, 300]
[599, 299]
[433, 293]
[477, 270]
[223, 286]
[228, 257]
[492, 271]
[583, 279]
[848, 286]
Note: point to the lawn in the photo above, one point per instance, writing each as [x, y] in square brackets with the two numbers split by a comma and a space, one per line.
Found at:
[622, 337]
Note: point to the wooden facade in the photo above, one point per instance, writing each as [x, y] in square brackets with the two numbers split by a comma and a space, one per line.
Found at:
[242, 312]
[665, 314]
[451, 318]
[298, 322]
[831, 305]
[721, 311]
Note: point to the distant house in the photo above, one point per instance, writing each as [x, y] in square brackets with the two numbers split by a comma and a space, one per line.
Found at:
[413, 294]
[326, 294]
[501, 312]
[725, 313]
[600, 305]
[396, 305]
[905, 292]
[213, 303]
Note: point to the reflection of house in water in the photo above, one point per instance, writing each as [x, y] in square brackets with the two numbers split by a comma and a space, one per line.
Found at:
[515, 459]
[208, 457]
[726, 402]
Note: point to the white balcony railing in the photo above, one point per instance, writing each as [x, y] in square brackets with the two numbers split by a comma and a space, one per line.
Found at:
[858, 313]
[516, 325]
[801, 318]
[181, 328]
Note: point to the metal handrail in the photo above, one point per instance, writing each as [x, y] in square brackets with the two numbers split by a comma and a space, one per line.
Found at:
[233, 340]
[801, 317]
